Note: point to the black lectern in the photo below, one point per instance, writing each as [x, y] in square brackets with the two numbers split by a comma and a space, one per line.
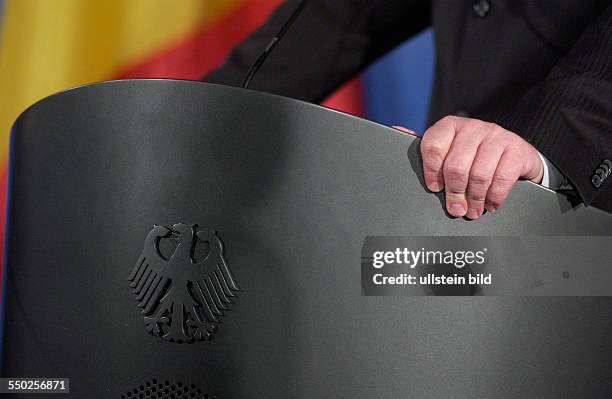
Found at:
[173, 239]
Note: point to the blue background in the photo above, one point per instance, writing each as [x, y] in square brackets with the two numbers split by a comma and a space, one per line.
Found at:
[398, 86]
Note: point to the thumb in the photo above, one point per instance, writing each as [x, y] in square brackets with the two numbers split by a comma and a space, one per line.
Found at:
[534, 167]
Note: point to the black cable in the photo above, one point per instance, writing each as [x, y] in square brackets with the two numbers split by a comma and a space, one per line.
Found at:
[262, 57]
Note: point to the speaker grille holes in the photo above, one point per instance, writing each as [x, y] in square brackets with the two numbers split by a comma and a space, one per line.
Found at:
[155, 389]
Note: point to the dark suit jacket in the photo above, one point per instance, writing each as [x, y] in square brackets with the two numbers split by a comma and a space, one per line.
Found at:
[540, 68]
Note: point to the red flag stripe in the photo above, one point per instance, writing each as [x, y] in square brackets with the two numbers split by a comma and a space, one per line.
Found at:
[193, 56]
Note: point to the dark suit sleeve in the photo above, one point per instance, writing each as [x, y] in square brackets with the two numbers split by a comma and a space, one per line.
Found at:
[568, 117]
[331, 41]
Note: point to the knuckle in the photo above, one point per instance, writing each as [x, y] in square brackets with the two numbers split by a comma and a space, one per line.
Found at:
[495, 132]
[476, 197]
[432, 148]
[495, 128]
[456, 170]
[516, 142]
[479, 176]
[431, 172]
[448, 119]
[504, 177]
[475, 124]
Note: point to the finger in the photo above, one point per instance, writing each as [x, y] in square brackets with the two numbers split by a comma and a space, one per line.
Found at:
[481, 175]
[506, 174]
[434, 146]
[456, 170]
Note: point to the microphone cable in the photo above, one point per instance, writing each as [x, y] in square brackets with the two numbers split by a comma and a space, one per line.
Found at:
[262, 57]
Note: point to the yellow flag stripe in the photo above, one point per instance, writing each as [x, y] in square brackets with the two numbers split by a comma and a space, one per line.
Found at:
[50, 45]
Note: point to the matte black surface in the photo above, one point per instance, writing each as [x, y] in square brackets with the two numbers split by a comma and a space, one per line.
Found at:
[292, 190]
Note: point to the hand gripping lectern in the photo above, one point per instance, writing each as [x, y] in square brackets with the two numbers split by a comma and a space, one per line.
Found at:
[175, 239]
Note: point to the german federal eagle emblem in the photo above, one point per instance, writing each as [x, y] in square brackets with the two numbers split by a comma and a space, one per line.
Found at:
[181, 298]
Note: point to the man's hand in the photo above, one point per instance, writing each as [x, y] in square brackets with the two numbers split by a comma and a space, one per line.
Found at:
[476, 163]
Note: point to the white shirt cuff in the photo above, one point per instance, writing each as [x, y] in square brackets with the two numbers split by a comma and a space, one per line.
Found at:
[551, 178]
[545, 179]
